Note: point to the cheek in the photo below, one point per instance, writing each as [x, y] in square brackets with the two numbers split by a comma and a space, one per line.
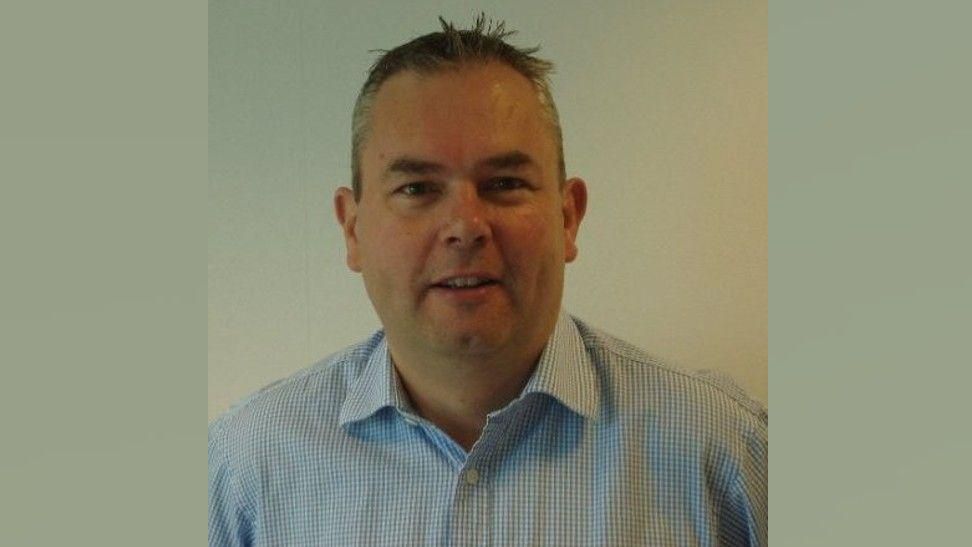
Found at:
[392, 250]
[534, 246]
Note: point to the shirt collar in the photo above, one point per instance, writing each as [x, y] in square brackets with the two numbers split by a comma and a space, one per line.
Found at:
[564, 371]
[375, 387]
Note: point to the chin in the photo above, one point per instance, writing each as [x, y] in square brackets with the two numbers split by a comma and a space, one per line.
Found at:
[470, 342]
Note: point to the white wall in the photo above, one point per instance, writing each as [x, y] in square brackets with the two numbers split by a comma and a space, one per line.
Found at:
[663, 106]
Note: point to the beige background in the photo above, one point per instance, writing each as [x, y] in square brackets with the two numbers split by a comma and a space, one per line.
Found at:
[663, 106]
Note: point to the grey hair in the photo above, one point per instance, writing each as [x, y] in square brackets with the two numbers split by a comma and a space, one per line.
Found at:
[452, 48]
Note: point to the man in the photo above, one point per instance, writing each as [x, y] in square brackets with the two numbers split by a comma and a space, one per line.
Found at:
[480, 414]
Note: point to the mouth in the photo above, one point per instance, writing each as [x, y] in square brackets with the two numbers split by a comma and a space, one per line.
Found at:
[467, 291]
[465, 282]
[462, 283]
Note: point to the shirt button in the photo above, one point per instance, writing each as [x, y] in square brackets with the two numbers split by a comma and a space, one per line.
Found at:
[472, 477]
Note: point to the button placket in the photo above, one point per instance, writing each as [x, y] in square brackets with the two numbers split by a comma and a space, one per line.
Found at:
[470, 523]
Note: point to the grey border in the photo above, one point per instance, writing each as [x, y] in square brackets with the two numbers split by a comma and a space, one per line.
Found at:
[102, 396]
[869, 273]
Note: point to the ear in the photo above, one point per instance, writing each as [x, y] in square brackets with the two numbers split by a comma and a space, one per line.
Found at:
[346, 211]
[575, 205]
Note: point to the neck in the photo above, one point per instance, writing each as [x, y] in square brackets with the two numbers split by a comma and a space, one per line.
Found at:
[456, 394]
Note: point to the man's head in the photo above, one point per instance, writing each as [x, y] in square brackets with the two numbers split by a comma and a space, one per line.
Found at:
[463, 220]
[451, 49]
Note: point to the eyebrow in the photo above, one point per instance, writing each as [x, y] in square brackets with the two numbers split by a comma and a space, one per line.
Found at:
[509, 160]
[407, 165]
[412, 166]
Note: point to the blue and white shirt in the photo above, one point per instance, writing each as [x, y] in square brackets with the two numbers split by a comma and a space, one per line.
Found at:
[605, 446]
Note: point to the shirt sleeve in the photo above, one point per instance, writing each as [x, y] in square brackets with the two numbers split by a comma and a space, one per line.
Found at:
[745, 514]
[228, 524]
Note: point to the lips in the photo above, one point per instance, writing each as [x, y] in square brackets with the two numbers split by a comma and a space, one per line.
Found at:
[465, 281]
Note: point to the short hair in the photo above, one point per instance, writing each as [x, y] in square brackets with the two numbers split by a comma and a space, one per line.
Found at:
[450, 49]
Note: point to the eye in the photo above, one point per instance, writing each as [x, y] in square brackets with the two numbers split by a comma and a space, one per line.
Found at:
[505, 184]
[415, 189]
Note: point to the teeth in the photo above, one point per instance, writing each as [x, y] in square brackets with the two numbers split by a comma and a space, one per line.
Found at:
[462, 282]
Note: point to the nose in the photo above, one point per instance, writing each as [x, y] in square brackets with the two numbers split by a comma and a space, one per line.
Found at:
[466, 223]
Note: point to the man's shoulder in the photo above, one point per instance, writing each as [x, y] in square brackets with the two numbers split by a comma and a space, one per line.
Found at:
[641, 381]
[315, 392]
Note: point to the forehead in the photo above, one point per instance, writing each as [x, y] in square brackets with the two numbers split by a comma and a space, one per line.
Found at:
[457, 116]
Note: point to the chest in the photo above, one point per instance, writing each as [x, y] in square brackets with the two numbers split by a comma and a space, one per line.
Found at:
[550, 488]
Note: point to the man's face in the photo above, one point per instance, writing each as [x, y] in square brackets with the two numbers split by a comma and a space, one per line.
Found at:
[463, 229]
